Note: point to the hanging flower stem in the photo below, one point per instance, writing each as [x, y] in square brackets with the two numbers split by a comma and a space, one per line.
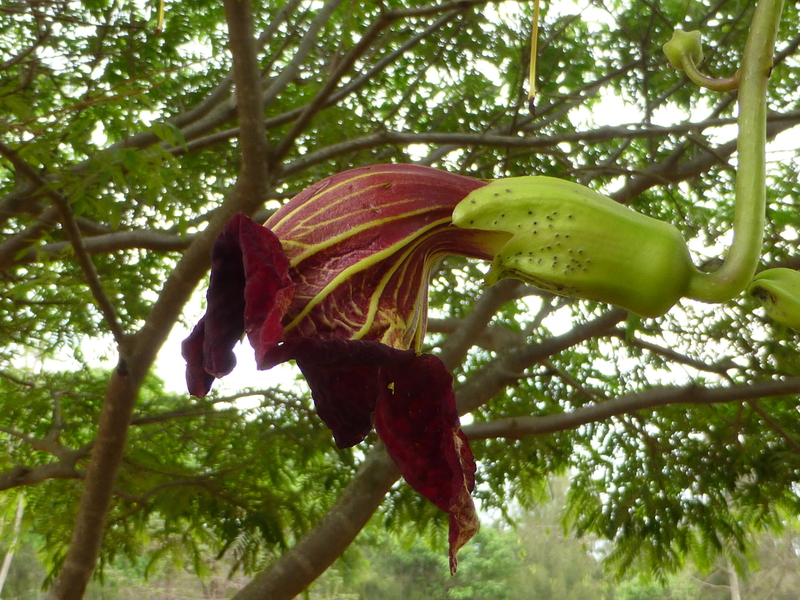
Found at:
[748, 223]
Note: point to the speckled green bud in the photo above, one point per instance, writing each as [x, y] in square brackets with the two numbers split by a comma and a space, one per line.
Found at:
[778, 290]
[570, 240]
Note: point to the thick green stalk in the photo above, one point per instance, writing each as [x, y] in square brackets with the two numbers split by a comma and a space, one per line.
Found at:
[748, 222]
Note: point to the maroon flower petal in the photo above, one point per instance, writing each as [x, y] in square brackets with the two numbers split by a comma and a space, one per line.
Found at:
[197, 379]
[416, 418]
[344, 378]
[361, 244]
[250, 290]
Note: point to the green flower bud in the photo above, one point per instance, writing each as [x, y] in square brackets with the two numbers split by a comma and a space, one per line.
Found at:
[778, 290]
[570, 240]
[684, 44]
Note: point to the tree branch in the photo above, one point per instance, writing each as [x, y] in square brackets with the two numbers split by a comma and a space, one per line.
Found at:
[329, 538]
[22, 476]
[76, 240]
[135, 362]
[510, 366]
[452, 141]
[458, 343]
[520, 427]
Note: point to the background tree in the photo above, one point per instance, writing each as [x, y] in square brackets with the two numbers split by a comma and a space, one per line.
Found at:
[125, 151]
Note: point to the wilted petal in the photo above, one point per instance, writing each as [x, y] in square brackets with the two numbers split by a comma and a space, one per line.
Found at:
[249, 291]
[416, 418]
[198, 380]
[344, 378]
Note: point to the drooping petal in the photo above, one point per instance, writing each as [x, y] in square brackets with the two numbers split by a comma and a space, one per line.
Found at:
[344, 378]
[361, 244]
[250, 291]
[416, 418]
[198, 380]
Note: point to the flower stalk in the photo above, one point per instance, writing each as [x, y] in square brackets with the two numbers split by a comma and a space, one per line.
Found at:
[749, 213]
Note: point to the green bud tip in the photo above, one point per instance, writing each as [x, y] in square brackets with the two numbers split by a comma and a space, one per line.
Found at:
[682, 45]
[778, 290]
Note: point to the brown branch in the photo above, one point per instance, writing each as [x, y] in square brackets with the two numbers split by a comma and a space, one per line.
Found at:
[343, 65]
[76, 240]
[42, 445]
[517, 428]
[458, 343]
[17, 245]
[21, 476]
[110, 242]
[127, 378]
[669, 172]
[138, 239]
[334, 99]
[212, 111]
[571, 381]
[288, 74]
[775, 426]
[453, 141]
[17, 380]
[329, 538]
[494, 338]
[510, 366]
[721, 368]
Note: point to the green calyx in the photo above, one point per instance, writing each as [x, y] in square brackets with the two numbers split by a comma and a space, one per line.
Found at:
[778, 290]
[572, 241]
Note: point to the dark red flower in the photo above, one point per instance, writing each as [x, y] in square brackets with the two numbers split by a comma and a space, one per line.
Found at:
[337, 280]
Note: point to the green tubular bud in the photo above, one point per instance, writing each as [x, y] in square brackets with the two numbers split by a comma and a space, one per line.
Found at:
[778, 290]
[572, 241]
[683, 44]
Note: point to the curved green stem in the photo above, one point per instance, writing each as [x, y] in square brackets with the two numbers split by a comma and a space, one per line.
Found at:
[726, 84]
[748, 222]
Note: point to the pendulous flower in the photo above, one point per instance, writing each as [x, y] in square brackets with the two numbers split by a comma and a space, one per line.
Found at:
[337, 280]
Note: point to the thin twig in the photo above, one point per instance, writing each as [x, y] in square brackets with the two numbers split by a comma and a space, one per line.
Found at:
[76, 239]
